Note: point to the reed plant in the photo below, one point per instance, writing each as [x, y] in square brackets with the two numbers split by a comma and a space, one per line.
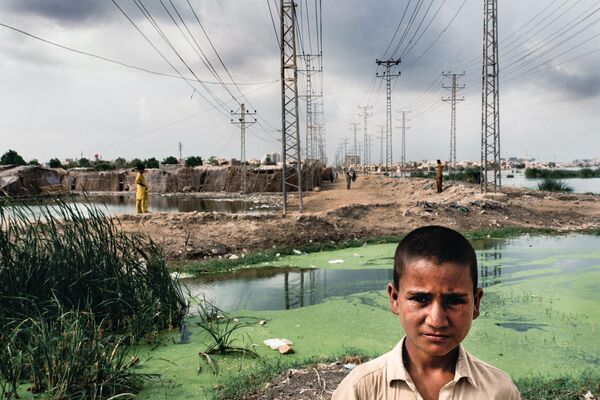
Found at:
[74, 291]
[554, 185]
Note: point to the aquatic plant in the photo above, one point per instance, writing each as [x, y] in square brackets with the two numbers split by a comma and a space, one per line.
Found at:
[537, 173]
[74, 290]
[553, 185]
[221, 327]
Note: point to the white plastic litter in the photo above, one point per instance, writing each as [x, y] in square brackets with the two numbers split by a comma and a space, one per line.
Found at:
[277, 343]
[336, 261]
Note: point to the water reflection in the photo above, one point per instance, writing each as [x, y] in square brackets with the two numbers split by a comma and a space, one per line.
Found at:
[277, 288]
[125, 204]
[500, 262]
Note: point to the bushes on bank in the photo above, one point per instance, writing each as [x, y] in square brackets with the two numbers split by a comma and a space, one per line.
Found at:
[553, 185]
[74, 291]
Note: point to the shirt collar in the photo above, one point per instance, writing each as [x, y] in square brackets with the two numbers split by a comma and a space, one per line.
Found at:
[397, 371]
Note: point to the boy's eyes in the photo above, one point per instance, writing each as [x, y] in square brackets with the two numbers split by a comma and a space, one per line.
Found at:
[449, 300]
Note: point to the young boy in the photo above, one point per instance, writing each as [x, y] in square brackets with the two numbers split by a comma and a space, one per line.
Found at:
[436, 297]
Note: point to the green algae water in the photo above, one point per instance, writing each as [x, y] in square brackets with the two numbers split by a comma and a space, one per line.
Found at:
[540, 312]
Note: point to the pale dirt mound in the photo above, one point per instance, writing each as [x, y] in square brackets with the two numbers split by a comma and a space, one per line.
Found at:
[374, 207]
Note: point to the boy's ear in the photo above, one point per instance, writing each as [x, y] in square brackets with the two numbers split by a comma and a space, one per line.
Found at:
[393, 297]
[478, 296]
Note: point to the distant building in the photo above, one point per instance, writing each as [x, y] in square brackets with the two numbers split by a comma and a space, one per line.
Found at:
[272, 158]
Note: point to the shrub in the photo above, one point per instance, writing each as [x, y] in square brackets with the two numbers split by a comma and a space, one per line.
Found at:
[151, 163]
[553, 185]
[54, 163]
[170, 161]
[193, 161]
[99, 289]
[11, 157]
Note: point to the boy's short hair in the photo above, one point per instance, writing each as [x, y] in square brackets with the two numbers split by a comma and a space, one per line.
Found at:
[436, 243]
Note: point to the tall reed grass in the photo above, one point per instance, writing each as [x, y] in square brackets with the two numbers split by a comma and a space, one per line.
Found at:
[74, 291]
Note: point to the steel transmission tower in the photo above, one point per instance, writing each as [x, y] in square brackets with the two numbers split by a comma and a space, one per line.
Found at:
[404, 128]
[381, 138]
[388, 76]
[241, 121]
[312, 136]
[452, 100]
[490, 109]
[290, 133]
[355, 155]
[365, 114]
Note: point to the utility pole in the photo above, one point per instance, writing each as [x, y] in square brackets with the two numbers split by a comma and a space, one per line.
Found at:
[388, 76]
[452, 100]
[404, 128]
[345, 153]
[355, 157]
[241, 121]
[290, 133]
[180, 146]
[365, 114]
[369, 146]
[490, 109]
[381, 138]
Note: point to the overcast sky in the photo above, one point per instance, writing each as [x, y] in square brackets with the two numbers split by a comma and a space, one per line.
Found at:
[58, 103]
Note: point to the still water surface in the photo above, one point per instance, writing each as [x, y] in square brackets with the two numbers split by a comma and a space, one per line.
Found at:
[303, 280]
[125, 204]
[579, 185]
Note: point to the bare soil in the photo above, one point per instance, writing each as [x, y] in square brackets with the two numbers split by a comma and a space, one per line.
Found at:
[374, 207]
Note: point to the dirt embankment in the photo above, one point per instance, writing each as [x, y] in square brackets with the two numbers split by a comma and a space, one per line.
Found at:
[373, 207]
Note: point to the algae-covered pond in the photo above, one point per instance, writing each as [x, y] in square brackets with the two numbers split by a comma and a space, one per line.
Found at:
[540, 311]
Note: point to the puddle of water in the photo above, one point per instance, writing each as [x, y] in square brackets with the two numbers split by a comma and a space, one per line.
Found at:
[125, 204]
[303, 280]
[520, 326]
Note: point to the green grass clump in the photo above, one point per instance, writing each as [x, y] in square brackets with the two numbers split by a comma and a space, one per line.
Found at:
[553, 185]
[563, 388]
[74, 290]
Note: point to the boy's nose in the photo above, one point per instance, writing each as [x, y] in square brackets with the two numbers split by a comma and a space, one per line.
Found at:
[437, 318]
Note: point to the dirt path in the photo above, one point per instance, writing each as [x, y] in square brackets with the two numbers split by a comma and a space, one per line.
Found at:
[373, 207]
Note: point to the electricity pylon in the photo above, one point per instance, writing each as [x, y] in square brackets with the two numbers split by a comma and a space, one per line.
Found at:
[404, 128]
[381, 138]
[388, 76]
[312, 140]
[452, 100]
[490, 109]
[241, 121]
[365, 114]
[290, 133]
[354, 130]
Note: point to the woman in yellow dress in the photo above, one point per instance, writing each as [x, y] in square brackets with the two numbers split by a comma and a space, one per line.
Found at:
[141, 191]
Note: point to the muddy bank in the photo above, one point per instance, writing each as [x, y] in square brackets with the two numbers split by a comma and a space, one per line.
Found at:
[374, 207]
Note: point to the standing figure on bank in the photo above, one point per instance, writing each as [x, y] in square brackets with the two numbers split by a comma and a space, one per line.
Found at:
[348, 180]
[141, 191]
[439, 176]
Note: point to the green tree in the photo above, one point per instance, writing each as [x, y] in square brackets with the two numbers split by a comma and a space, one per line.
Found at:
[170, 161]
[120, 162]
[151, 163]
[103, 166]
[193, 161]
[11, 157]
[213, 160]
[54, 163]
[134, 163]
[34, 161]
[84, 162]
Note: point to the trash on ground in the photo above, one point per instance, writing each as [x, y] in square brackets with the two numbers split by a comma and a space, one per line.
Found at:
[336, 261]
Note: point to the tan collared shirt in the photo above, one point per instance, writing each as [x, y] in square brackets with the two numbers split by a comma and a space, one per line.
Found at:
[386, 378]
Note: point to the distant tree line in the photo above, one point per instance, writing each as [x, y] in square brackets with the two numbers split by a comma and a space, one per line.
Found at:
[11, 157]
[543, 173]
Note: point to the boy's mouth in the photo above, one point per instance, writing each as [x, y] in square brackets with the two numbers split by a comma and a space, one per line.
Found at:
[436, 337]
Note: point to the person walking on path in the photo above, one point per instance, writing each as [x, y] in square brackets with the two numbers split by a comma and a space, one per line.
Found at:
[141, 191]
[348, 180]
[439, 176]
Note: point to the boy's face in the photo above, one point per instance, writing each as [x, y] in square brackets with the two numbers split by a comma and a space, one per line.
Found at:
[436, 306]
